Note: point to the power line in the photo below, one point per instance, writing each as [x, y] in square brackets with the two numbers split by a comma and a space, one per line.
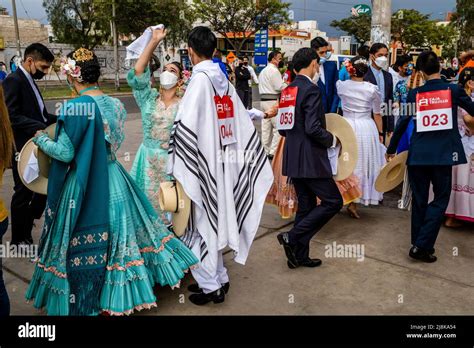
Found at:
[24, 9]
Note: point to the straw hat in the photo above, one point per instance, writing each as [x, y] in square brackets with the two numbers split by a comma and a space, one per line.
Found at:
[339, 127]
[392, 173]
[40, 184]
[173, 199]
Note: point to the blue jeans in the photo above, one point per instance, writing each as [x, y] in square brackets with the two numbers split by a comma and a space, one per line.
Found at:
[4, 300]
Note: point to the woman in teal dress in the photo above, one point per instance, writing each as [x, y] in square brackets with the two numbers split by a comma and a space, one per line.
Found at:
[158, 113]
[103, 247]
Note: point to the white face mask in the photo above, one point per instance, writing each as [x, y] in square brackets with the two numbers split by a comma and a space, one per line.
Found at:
[382, 62]
[168, 80]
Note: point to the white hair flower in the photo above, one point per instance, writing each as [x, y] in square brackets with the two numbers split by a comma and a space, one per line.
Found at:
[69, 67]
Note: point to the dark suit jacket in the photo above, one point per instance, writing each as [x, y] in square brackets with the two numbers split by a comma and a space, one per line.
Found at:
[23, 108]
[305, 153]
[242, 77]
[442, 147]
[328, 89]
[389, 120]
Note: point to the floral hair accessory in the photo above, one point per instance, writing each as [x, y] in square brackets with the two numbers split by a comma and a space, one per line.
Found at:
[83, 55]
[350, 69]
[69, 67]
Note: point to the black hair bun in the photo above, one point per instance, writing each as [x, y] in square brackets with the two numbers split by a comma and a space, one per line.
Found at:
[90, 69]
[90, 73]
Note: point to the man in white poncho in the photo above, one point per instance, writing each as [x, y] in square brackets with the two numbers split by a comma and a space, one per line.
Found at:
[216, 154]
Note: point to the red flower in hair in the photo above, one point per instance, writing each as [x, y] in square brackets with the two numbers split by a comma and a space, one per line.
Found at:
[350, 69]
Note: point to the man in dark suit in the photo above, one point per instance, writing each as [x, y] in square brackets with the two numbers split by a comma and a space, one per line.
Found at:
[306, 162]
[379, 76]
[28, 114]
[328, 75]
[435, 147]
[242, 77]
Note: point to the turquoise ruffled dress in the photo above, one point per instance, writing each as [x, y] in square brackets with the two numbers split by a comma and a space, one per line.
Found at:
[141, 252]
[149, 167]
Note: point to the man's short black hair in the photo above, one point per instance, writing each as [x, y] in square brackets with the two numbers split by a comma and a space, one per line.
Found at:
[428, 63]
[272, 55]
[203, 41]
[401, 61]
[39, 52]
[318, 42]
[377, 47]
[303, 58]
[363, 51]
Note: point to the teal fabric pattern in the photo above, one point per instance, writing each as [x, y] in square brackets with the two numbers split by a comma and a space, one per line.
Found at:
[149, 166]
[141, 251]
[77, 208]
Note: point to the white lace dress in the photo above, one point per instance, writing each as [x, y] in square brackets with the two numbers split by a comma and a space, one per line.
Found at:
[358, 100]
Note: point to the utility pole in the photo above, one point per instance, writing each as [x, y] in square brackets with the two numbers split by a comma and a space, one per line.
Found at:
[116, 53]
[381, 21]
[17, 31]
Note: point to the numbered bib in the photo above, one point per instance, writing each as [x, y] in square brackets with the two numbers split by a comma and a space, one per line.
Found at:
[286, 109]
[225, 119]
[434, 111]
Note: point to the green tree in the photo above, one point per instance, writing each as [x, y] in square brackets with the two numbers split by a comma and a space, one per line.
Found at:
[87, 22]
[238, 20]
[463, 20]
[133, 17]
[359, 27]
[410, 27]
[77, 22]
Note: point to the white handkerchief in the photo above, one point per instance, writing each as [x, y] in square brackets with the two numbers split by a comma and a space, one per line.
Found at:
[256, 114]
[135, 49]
[31, 172]
[333, 155]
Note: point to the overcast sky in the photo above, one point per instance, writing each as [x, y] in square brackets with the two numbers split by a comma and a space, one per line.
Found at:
[324, 11]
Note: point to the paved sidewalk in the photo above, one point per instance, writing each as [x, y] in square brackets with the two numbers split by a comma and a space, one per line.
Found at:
[385, 281]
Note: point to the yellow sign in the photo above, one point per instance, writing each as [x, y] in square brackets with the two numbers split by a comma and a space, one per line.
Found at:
[230, 58]
[2, 43]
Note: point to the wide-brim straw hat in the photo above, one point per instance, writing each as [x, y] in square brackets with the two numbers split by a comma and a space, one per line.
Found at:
[339, 127]
[391, 175]
[40, 184]
[173, 199]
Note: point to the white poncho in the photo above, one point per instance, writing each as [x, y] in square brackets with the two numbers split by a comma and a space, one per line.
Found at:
[227, 185]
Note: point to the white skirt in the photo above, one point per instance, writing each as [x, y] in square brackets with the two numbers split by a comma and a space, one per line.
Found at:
[370, 160]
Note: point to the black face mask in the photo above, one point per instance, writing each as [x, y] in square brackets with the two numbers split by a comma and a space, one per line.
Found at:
[281, 65]
[38, 75]
[245, 63]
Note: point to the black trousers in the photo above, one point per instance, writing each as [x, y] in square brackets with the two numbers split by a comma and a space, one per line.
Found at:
[25, 207]
[250, 104]
[244, 97]
[426, 219]
[310, 218]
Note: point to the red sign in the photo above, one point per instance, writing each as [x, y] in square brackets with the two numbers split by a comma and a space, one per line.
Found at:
[225, 119]
[286, 108]
[434, 111]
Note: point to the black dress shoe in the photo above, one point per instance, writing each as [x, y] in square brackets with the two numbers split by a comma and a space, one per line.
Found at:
[290, 265]
[284, 239]
[310, 263]
[201, 299]
[197, 290]
[422, 255]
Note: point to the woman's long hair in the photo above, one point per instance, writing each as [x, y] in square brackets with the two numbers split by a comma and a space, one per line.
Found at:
[6, 135]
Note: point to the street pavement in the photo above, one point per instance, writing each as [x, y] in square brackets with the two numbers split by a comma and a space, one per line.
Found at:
[381, 279]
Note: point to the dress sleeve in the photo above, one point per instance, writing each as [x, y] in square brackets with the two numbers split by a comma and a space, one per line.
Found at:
[141, 87]
[61, 150]
[376, 101]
